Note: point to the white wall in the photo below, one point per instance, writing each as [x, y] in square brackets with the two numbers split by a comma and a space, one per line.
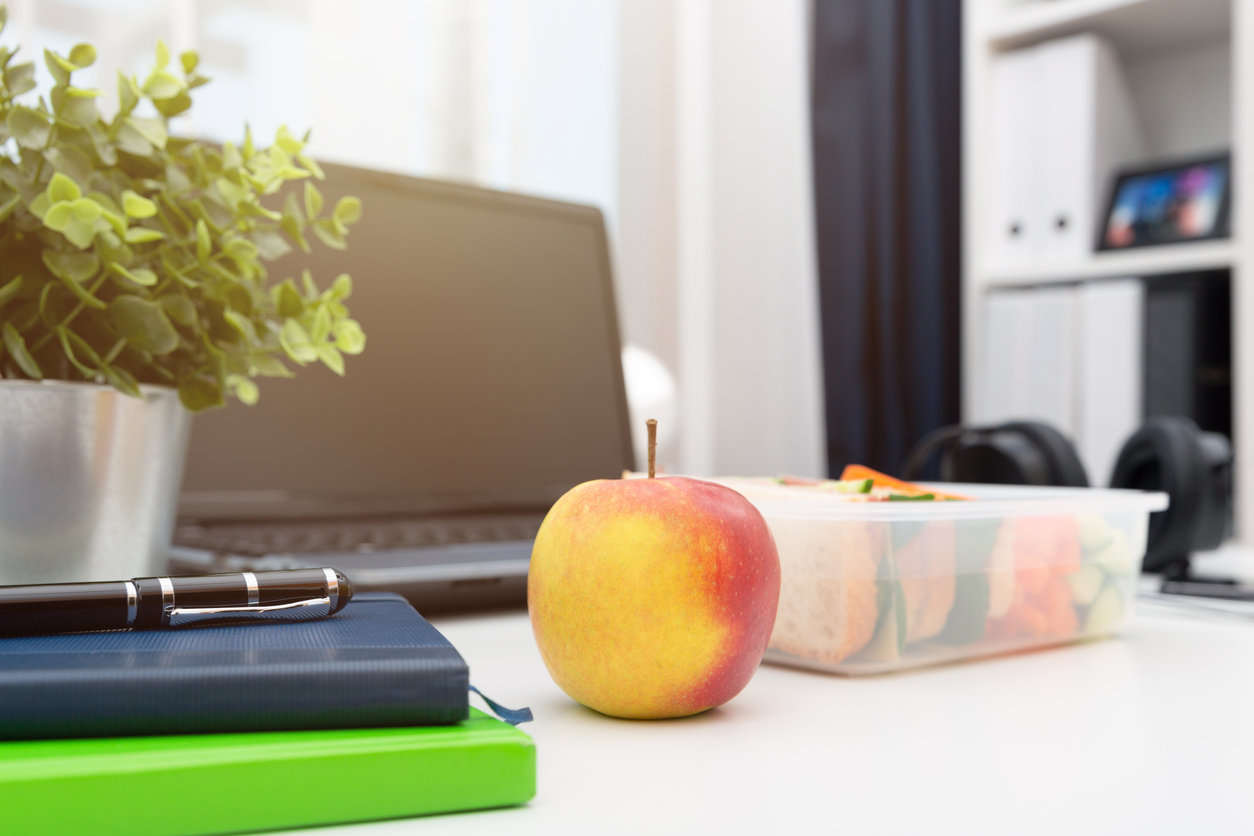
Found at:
[512, 94]
[716, 191]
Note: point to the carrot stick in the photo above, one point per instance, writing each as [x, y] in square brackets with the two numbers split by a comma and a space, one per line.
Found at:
[883, 480]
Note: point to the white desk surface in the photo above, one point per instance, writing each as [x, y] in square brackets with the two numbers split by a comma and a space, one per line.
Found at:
[1149, 733]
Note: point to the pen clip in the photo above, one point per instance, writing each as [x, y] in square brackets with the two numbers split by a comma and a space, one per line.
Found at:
[308, 610]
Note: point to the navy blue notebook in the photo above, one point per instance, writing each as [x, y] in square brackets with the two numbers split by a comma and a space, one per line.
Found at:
[376, 663]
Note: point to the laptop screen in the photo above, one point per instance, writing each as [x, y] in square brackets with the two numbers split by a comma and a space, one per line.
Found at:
[491, 377]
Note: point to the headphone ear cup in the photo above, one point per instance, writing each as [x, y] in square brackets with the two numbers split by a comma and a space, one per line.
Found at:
[1065, 468]
[1166, 455]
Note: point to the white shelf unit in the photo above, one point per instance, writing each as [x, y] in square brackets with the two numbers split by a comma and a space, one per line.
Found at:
[1190, 69]
[1178, 258]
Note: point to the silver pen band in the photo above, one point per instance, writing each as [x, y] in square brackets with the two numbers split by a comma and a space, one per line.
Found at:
[333, 588]
[250, 581]
[132, 603]
[167, 592]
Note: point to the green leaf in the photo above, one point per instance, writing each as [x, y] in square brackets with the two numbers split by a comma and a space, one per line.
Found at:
[101, 144]
[62, 188]
[136, 206]
[163, 55]
[240, 249]
[71, 161]
[78, 220]
[231, 158]
[83, 55]
[142, 235]
[179, 308]
[190, 60]
[51, 309]
[270, 245]
[140, 275]
[143, 324]
[243, 325]
[59, 67]
[295, 342]
[73, 269]
[349, 338]
[284, 139]
[331, 358]
[78, 107]
[268, 365]
[40, 205]
[123, 380]
[313, 200]
[204, 247]
[128, 94]
[173, 105]
[287, 301]
[341, 288]
[74, 346]
[175, 178]
[162, 85]
[81, 267]
[347, 210]
[20, 78]
[153, 130]
[321, 328]
[17, 350]
[10, 290]
[244, 389]
[311, 164]
[330, 236]
[9, 205]
[29, 127]
[199, 393]
[232, 193]
[132, 142]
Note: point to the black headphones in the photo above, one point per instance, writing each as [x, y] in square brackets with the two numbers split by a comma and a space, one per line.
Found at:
[1168, 454]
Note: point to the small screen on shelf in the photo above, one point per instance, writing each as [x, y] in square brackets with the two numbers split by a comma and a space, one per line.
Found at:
[1167, 204]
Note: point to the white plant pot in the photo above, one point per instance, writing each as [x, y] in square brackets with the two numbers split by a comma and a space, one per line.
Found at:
[89, 480]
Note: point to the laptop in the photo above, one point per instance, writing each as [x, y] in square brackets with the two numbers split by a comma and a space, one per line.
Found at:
[490, 385]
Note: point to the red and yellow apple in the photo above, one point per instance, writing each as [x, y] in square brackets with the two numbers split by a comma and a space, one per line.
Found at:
[653, 598]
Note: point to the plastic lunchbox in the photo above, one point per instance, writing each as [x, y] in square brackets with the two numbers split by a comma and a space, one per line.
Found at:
[874, 587]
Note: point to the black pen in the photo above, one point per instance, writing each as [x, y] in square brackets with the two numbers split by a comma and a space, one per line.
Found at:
[150, 603]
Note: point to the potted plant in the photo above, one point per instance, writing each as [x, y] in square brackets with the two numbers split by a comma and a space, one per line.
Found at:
[133, 292]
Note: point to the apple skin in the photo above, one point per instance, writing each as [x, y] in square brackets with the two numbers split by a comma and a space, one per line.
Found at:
[653, 598]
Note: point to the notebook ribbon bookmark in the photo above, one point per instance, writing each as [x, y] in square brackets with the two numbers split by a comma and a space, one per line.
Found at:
[513, 716]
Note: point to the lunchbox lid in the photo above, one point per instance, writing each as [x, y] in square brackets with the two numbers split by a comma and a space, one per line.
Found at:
[988, 501]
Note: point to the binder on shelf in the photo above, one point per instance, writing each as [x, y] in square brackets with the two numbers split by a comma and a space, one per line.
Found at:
[1051, 358]
[1062, 123]
[1002, 394]
[1016, 228]
[1090, 130]
[1029, 352]
[1109, 367]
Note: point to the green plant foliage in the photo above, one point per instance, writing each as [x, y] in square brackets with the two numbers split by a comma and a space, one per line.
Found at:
[128, 256]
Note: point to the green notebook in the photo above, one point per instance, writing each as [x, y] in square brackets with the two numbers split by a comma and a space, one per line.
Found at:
[225, 783]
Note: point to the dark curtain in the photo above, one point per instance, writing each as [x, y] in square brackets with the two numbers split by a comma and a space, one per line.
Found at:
[886, 119]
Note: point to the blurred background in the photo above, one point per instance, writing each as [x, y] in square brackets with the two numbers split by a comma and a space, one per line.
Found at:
[685, 123]
[836, 225]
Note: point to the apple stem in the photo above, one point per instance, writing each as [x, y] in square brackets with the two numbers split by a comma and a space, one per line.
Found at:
[652, 425]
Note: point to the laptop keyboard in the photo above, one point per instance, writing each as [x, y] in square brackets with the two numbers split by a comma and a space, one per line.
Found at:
[264, 538]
